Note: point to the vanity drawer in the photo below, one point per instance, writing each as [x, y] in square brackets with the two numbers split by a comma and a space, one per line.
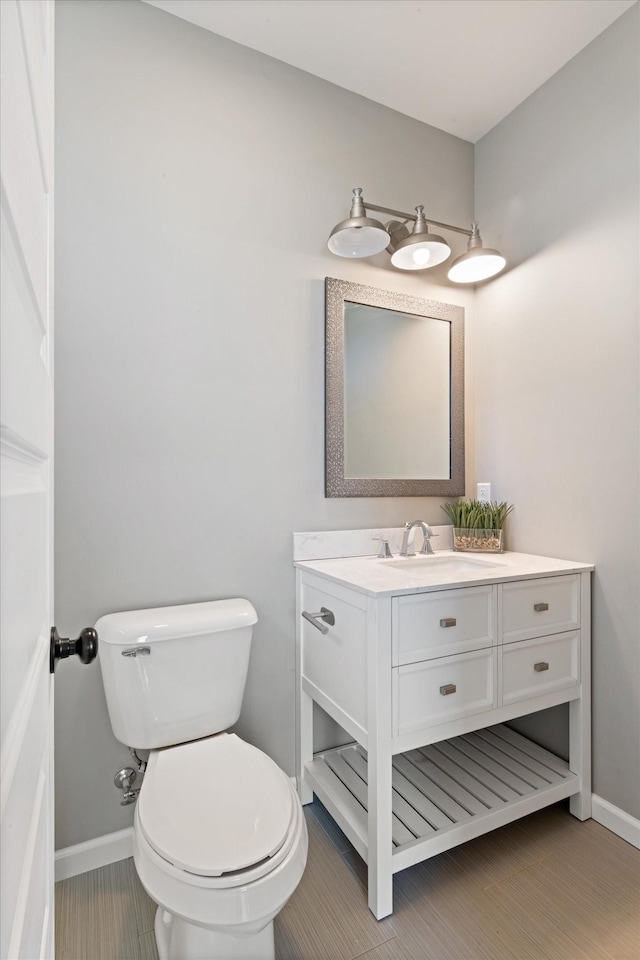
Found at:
[536, 608]
[533, 667]
[430, 625]
[435, 691]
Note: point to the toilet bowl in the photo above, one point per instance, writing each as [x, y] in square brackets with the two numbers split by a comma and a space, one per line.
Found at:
[219, 840]
[220, 853]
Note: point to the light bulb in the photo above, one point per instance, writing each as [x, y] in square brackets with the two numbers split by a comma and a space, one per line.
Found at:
[421, 257]
[421, 254]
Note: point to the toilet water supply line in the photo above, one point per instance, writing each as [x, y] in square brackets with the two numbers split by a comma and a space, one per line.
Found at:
[140, 763]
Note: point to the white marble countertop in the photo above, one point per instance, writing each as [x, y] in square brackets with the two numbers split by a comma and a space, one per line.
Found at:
[445, 569]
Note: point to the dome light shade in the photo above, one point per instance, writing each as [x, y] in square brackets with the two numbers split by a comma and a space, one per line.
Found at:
[477, 263]
[421, 249]
[421, 254]
[360, 235]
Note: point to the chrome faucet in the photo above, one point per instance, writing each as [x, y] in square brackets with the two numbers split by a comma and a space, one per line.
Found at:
[427, 533]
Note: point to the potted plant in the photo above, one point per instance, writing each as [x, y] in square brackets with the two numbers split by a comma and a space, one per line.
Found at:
[477, 525]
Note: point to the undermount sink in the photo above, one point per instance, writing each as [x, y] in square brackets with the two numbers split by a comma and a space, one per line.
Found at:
[425, 562]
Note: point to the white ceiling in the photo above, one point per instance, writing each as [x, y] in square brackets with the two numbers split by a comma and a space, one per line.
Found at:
[460, 65]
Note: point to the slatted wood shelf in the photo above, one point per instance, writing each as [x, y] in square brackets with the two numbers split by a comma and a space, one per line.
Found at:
[446, 793]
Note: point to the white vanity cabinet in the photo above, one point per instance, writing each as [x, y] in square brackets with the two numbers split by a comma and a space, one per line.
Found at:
[424, 678]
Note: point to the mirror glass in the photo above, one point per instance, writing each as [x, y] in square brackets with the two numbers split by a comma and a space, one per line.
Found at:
[395, 394]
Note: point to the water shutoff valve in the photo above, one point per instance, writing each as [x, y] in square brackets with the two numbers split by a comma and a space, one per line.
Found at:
[123, 780]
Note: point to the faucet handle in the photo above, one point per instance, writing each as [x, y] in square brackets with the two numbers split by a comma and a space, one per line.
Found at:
[384, 550]
[426, 547]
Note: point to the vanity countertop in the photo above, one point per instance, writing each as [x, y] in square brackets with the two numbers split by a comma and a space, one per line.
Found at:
[445, 569]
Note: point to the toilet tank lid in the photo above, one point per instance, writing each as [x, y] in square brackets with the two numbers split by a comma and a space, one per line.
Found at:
[170, 623]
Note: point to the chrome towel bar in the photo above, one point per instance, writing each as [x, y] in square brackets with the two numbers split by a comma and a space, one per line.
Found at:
[325, 614]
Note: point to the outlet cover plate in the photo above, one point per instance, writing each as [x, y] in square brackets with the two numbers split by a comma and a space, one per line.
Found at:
[484, 492]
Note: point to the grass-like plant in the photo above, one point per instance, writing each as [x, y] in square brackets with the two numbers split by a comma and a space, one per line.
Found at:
[477, 515]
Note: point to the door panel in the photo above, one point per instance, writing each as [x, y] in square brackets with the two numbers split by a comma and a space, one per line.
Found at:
[23, 344]
[25, 155]
[26, 462]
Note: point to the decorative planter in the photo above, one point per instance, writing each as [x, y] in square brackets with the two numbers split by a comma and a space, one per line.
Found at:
[470, 540]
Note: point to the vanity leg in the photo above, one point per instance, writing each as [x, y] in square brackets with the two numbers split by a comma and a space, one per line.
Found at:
[380, 875]
[304, 710]
[580, 712]
[379, 821]
[580, 756]
[305, 746]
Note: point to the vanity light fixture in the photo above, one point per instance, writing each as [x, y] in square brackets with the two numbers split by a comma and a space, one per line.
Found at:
[418, 249]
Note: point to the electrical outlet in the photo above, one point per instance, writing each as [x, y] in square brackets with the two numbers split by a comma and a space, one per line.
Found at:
[484, 492]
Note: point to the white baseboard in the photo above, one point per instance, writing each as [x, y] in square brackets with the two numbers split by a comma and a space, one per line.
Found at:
[94, 853]
[616, 820]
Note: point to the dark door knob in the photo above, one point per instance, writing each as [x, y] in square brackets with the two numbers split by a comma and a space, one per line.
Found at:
[85, 647]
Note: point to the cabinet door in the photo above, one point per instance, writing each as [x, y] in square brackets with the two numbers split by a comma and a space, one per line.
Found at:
[335, 662]
[537, 608]
[531, 668]
[446, 622]
[435, 691]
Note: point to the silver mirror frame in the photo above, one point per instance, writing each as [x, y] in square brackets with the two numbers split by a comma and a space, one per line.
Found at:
[337, 485]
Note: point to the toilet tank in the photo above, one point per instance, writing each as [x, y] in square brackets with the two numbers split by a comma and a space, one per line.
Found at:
[173, 674]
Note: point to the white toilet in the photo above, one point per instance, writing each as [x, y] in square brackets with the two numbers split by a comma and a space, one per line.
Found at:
[220, 840]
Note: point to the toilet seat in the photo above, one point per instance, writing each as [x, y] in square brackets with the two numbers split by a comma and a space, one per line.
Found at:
[240, 904]
[216, 807]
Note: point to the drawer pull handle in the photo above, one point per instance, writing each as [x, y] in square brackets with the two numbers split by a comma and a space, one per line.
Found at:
[325, 614]
[541, 666]
[447, 689]
[540, 607]
[448, 622]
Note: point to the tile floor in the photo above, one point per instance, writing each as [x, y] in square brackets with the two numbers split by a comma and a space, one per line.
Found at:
[544, 888]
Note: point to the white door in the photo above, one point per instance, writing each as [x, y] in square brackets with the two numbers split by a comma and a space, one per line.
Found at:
[26, 414]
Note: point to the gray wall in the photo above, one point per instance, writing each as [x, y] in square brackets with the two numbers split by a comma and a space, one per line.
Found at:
[190, 376]
[556, 364]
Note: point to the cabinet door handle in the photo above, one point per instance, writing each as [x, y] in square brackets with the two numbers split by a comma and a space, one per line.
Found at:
[541, 666]
[325, 614]
[447, 689]
[448, 622]
[540, 607]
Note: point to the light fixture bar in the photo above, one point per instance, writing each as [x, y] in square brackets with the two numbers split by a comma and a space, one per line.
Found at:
[412, 216]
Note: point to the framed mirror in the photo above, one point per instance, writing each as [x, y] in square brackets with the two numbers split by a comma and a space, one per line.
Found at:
[394, 394]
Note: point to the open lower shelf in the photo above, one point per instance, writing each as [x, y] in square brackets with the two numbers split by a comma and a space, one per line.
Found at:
[445, 793]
